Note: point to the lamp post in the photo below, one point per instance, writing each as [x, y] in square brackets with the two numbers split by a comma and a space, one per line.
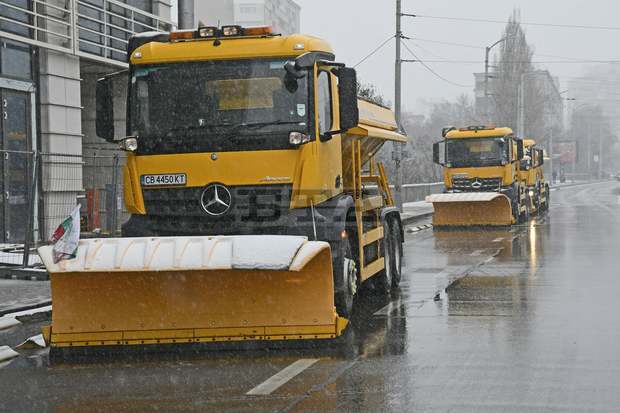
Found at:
[487, 53]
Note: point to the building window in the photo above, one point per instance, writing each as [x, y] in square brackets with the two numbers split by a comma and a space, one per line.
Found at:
[15, 60]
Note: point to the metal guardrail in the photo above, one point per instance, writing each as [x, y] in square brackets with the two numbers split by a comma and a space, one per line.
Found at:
[97, 30]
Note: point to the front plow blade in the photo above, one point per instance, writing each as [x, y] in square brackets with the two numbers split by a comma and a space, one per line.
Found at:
[132, 291]
[471, 209]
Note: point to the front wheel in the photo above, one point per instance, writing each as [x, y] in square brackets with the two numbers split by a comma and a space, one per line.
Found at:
[397, 257]
[384, 279]
[346, 266]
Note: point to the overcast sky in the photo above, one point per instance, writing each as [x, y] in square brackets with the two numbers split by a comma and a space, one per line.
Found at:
[355, 27]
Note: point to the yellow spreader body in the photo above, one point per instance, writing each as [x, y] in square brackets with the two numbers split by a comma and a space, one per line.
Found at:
[133, 291]
[471, 209]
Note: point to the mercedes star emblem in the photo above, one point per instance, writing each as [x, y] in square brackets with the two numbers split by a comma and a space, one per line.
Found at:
[476, 184]
[216, 200]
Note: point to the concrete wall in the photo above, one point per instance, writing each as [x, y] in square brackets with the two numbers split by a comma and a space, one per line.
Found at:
[61, 132]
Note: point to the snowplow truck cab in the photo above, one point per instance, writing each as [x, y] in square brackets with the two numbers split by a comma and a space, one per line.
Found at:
[532, 176]
[256, 208]
[481, 178]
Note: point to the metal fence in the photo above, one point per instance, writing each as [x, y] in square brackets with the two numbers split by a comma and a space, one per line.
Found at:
[39, 191]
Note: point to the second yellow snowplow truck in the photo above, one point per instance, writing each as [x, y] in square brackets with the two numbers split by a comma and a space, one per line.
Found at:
[532, 176]
[481, 178]
[256, 208]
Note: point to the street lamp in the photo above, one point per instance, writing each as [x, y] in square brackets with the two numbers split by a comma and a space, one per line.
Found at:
[486, 76]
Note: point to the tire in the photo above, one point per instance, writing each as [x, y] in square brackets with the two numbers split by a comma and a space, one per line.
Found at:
[397, 261]
[384, 279]
[347, 266]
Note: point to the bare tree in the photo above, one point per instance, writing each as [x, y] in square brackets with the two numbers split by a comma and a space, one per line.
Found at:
[515, 61]
[423, 131]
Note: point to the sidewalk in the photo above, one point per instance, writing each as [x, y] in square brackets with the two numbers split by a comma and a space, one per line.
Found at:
[17, 294]
[414, 211]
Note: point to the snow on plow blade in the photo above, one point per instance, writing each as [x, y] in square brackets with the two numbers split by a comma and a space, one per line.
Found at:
[471, 209]
[128, 291]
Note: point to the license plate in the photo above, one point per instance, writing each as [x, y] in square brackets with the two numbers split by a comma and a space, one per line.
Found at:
[163, 179]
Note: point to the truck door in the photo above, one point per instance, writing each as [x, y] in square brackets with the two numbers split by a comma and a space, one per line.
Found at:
[329, 147]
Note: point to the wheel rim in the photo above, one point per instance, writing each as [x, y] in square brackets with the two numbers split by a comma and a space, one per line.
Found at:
[350, 274]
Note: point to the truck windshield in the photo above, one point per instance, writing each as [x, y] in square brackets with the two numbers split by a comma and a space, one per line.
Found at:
[468, 152]
[216, 106]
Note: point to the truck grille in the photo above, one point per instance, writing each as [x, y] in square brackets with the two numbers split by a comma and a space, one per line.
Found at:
[178, 210]
[476, 184]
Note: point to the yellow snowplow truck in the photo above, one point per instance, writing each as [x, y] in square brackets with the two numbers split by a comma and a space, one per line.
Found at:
[481, 178]
[532, 176]
[257, 211]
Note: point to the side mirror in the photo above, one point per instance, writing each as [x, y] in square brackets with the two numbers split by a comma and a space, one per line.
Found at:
[520, 151]
[105, 109]
[347, 96]
[292, 72]
[541, 156]
[438, 149]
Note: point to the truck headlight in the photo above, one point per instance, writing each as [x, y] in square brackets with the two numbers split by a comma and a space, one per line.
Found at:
[129, 144]
[298, 138]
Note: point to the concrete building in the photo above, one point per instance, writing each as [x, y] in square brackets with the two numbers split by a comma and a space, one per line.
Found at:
[51, 53]
[282, 15]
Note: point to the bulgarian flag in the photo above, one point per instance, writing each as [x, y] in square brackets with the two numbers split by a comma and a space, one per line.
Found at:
[66, 237]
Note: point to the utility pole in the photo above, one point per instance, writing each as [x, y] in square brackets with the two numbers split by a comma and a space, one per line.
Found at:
[521, 112]
[186, 14]
[600, 151]
[398, 147]
[487, 111]
[486, 85]
[551, 153]
[589, 151]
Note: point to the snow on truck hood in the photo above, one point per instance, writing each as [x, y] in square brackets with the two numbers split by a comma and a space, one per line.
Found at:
[258, 252]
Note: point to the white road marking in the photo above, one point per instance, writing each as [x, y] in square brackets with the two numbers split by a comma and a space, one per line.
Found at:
[280, 378]
[498, 239]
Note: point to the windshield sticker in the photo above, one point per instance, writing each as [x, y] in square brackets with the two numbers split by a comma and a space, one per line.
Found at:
[301, 109]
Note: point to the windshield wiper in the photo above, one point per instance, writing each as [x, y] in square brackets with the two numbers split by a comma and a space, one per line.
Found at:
[257, 125]
[197, 127]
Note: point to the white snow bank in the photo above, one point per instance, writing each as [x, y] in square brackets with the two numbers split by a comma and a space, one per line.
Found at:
[7, 353]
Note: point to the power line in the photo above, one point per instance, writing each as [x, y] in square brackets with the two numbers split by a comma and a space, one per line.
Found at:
[369, 55]
[471, 46]
[523, 61]
[558, 25]
[430, 69]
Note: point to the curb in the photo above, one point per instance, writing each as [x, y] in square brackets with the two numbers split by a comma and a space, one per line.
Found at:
[413, 218]
[25, 308]
[24, 274]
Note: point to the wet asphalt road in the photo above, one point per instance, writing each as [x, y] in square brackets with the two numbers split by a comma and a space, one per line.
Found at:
[526, 319]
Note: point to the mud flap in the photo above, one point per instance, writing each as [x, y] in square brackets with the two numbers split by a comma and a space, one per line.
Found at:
[136, 291]
[471, 209]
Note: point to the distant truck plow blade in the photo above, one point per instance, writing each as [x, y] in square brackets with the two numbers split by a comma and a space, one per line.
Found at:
[171, 290]
[471, 209]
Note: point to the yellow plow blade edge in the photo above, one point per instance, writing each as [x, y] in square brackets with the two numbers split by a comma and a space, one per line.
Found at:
[471, 209]
[192, 289]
